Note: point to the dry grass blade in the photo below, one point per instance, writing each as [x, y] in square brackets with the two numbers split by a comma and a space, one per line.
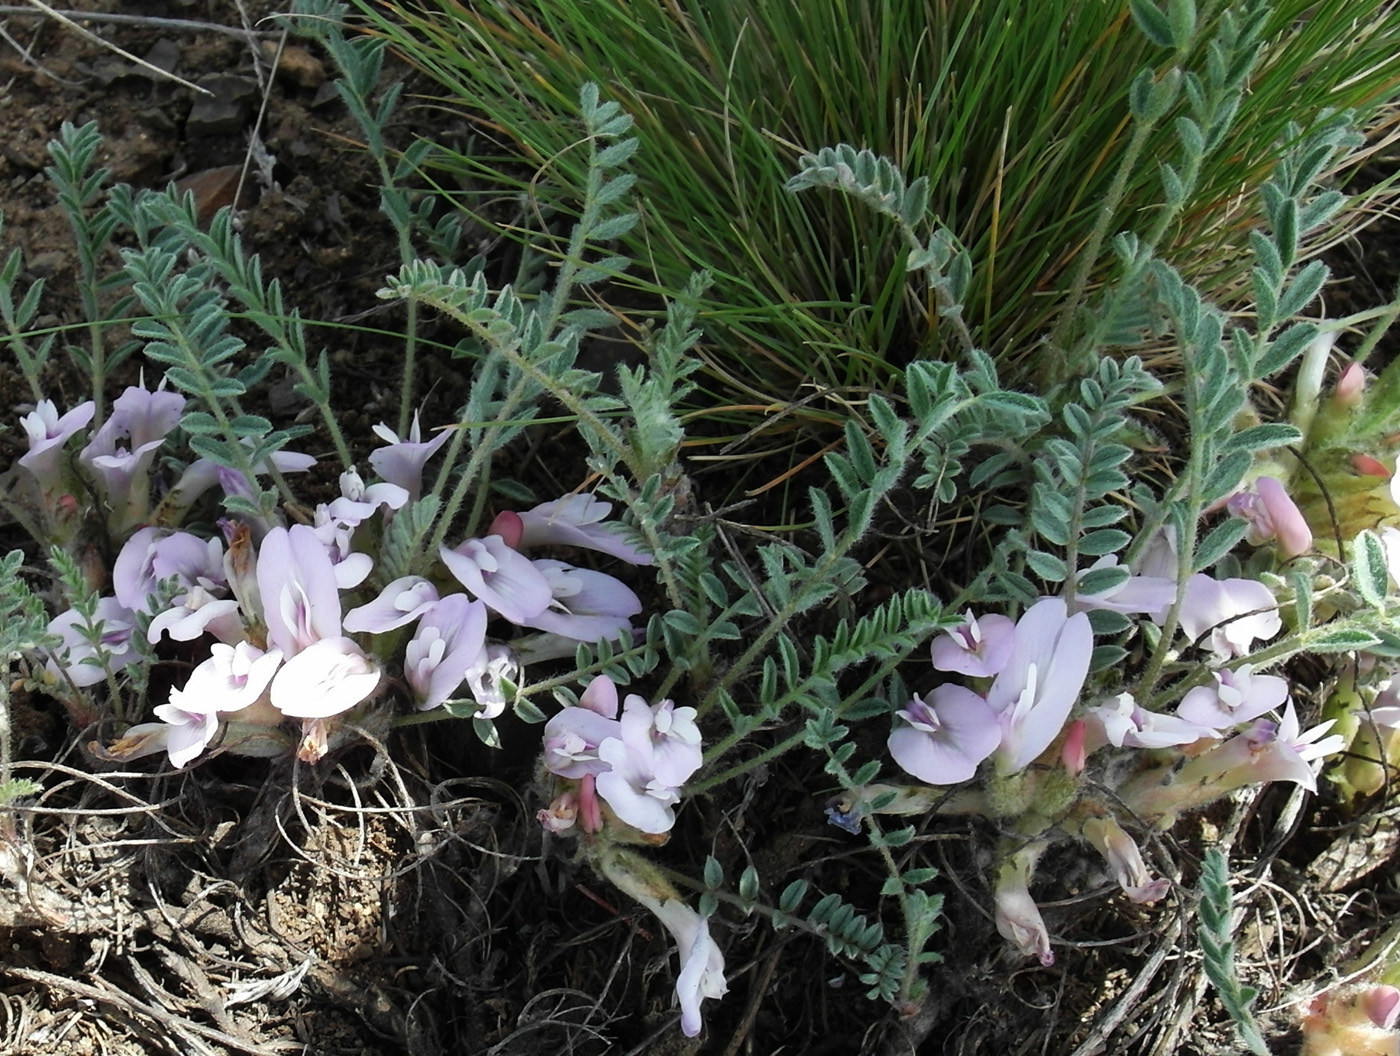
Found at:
[59, 16]
[115, 18]
[191, 1035]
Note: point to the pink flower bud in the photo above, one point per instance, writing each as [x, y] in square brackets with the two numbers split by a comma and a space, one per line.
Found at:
[1072, 752]
[1382, 1005]
[1350, 386]
[590, 810]
[509, 527]
[1370, 467]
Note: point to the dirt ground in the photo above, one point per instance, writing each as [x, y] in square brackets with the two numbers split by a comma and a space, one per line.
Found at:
[402, 899]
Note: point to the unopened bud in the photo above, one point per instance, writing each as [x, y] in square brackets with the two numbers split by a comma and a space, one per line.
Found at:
[1350, 387]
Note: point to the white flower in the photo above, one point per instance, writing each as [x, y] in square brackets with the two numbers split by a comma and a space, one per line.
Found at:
[324, 679]
[1235, 612]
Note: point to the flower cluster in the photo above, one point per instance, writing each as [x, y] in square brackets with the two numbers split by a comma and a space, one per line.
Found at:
[276, 604]
[621, 777]
[625, 770]
[1236, 727]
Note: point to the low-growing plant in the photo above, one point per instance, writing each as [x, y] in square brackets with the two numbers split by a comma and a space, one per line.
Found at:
[1115, 660]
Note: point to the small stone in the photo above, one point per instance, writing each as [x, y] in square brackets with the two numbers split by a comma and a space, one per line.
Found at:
[214, 188]
[164, 54]
[47, 264]
[297, 64]
[224, 112]
[324, 94]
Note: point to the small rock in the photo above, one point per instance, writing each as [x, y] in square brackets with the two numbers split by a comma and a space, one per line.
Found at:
[214, 188]
[47, 264]
[325, 94]
[225, 111]
[164, 55]
[108, 69]
[296, 64]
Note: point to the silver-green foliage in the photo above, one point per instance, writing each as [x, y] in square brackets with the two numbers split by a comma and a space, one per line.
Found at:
[1216, 936]
[23, 633]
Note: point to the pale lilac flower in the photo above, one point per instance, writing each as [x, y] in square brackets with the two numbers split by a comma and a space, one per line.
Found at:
[1149, 595]
[195, 613]
[505, 579]
[486, 679]
[631, 787]
[664, 735]
[976, 648]
[702, 962]
[1237, 697]
[233, 677]
[1267, 751]
[296, 581]
[190, 732]
[448, 643]
[576, 520]
[586, 606]
[121, 452]
[202, 474]
[152, 555]
[402, 461]
[84, 663]
[1124, 858]
[351, 567]
[634, 764]
[572, 737]
[600, 696]
[1236, 612]
[325, 678]
[1124, 723]
[1159, 558]
[571, 740]
[1272, 514]
[399, 603]
[1018, 918]
[359, 503]
[1036, 690]
[947, 737]
[47, 434]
